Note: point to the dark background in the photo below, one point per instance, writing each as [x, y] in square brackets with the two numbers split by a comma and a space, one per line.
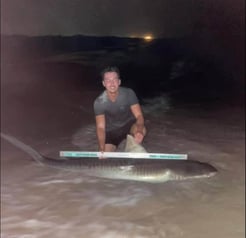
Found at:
[197, 53]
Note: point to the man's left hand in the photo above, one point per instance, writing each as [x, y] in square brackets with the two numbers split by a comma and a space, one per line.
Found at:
[138, 137]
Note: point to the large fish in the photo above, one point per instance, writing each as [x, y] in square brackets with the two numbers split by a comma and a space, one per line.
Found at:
[146, 170]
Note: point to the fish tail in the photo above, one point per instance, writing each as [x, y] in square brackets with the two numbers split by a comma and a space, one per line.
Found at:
[29, 150]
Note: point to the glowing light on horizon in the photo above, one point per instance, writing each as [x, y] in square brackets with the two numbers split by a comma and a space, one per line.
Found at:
[148, 38]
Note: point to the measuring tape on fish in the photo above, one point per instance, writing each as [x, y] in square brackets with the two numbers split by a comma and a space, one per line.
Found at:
[130, 155]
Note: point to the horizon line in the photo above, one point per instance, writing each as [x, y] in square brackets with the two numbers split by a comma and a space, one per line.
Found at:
[82, 35]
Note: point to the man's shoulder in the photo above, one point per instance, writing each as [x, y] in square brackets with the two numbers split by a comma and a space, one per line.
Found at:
[100, 103]
[126, 90]
[129, 95]
[102, 98]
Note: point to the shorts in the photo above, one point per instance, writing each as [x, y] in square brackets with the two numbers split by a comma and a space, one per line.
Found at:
[115, 137]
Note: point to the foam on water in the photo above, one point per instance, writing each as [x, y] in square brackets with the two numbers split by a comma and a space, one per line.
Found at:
[156, 105]
[85, 137]
[79, 209]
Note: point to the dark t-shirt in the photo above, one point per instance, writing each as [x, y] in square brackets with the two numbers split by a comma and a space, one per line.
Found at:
[118, 113]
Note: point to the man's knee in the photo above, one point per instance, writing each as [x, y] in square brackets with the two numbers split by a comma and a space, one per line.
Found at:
[109, 148]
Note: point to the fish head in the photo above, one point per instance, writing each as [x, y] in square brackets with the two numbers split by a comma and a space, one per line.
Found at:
[194, 169]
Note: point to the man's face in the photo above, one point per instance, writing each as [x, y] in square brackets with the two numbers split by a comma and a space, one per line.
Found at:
[111, 82]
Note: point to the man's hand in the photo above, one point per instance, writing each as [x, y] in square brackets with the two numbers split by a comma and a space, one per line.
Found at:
[138, 137]
[101, 155]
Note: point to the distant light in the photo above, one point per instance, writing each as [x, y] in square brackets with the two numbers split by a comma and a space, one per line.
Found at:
[148, 38]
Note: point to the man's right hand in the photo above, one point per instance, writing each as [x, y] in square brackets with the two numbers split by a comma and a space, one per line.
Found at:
[101, 155]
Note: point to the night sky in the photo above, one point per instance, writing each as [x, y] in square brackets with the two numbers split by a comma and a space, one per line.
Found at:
[170, 18]
[222, 21]
[215, 27]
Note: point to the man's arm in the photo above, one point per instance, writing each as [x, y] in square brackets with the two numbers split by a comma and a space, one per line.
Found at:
[139, 131]
[100, 129]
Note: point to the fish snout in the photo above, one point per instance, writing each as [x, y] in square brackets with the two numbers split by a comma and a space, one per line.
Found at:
[208, 170]
[213, 171]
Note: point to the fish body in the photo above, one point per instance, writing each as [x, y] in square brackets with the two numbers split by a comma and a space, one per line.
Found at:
[145, 170]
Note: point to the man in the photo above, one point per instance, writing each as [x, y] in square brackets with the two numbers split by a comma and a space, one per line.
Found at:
[117, 113]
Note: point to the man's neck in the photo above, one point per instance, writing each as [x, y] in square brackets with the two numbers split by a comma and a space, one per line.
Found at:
[113, 95]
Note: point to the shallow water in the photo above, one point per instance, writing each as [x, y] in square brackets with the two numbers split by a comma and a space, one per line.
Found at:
[38, 201]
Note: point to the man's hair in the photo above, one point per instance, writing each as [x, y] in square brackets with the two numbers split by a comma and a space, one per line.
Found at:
[110, 69]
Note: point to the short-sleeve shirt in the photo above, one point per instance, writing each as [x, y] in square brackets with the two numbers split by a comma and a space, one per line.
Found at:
[117, 113]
